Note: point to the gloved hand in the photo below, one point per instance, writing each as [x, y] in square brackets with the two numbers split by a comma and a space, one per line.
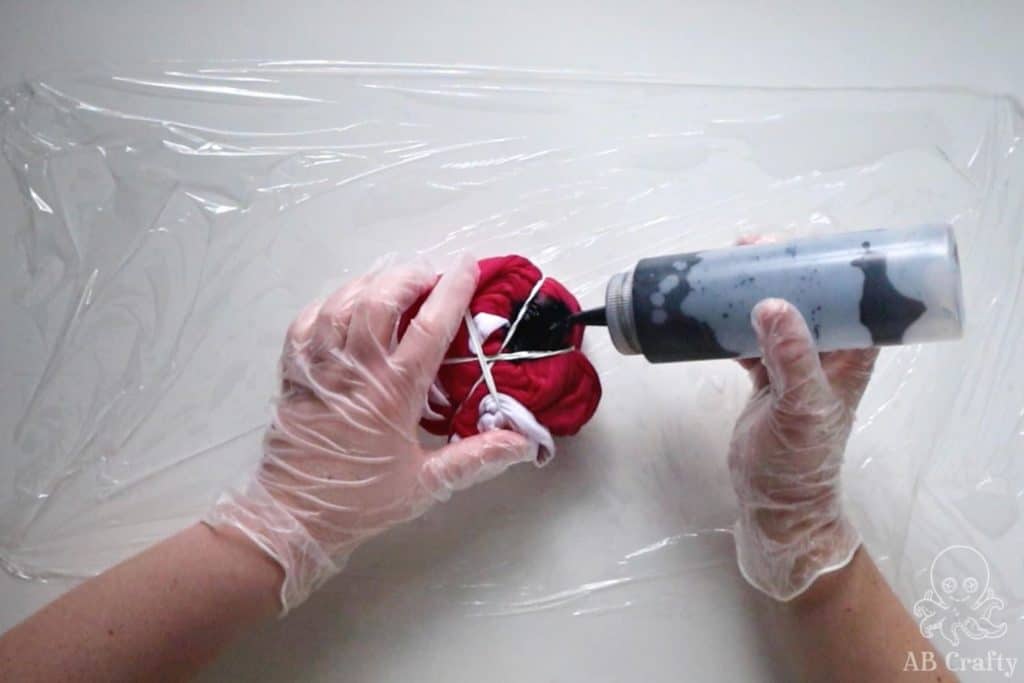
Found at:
[342, 461]
[786, 453]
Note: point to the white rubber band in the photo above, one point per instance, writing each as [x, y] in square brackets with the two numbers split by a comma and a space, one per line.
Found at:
[512, 355]
[478, 346]
[522, 313]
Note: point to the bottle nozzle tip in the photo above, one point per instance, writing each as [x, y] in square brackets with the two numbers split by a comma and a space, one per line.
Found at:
[593, 316]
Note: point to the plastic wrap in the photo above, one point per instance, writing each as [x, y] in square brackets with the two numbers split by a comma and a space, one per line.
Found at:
[174, 218]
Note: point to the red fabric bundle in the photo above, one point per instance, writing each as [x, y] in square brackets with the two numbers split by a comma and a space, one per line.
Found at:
[562, 391]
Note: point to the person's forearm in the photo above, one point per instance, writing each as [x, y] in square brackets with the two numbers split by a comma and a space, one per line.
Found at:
[158, 616]
[850, 626]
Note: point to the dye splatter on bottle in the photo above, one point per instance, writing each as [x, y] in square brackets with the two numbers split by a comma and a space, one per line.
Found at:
[856, 289]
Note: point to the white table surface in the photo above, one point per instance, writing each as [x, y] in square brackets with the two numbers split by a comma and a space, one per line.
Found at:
[974, 45]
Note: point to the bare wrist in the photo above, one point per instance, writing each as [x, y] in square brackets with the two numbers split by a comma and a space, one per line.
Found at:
[255, 576]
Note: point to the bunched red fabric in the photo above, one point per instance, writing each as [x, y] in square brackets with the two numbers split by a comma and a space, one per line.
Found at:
[561, 391]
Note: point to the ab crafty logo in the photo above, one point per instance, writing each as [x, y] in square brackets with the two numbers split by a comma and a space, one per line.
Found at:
[959, 607]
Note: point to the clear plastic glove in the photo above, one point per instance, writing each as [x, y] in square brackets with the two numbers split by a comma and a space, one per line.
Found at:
[342, 461]
[786, 453]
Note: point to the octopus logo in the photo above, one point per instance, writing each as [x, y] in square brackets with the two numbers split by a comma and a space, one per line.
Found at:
[960, 601]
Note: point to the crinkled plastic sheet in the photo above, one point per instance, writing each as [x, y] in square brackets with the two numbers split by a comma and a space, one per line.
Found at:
[175, 218]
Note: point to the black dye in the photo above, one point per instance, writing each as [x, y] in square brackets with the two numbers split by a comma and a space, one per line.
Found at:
[680, 336]
[885, 311]
[543, 327]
